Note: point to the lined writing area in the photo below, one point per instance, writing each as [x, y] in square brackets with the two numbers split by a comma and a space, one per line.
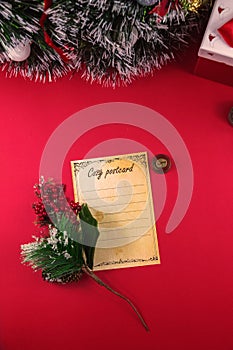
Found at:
[116, 187]
[122, 211]
[102, 197]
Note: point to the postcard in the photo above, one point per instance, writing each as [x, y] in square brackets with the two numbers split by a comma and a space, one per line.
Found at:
[117, 190]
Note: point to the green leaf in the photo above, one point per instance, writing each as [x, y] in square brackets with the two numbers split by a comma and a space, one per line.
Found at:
[90, 234]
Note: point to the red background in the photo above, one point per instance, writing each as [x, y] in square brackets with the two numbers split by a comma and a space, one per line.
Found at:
[187, 300]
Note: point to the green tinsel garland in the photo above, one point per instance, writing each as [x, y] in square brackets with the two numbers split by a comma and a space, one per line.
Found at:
[108, 41]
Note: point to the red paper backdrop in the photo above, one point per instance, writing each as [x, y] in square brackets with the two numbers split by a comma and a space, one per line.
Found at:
[187, 300]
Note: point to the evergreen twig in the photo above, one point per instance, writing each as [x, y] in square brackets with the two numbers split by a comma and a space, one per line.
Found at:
[90, 273]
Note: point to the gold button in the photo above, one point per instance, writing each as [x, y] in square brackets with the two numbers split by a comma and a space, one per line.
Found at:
[161, 163]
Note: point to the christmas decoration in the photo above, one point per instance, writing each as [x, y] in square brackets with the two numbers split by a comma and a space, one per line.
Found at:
[108, 41]
[194, 5]
[20, 23]
[47, 38]
[215, 52]
[64, 251]
[20, 52]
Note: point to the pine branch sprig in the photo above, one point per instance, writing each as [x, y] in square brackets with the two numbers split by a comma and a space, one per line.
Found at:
[67, 251]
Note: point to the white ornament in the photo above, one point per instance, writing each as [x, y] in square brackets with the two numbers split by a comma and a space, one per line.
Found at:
[20, 52]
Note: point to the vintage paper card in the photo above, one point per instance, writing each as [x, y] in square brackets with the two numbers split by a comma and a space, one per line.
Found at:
[118, 192]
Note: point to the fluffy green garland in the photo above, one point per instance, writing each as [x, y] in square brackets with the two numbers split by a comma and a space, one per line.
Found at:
[108, 41]
[115, 41]
[20, 23]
